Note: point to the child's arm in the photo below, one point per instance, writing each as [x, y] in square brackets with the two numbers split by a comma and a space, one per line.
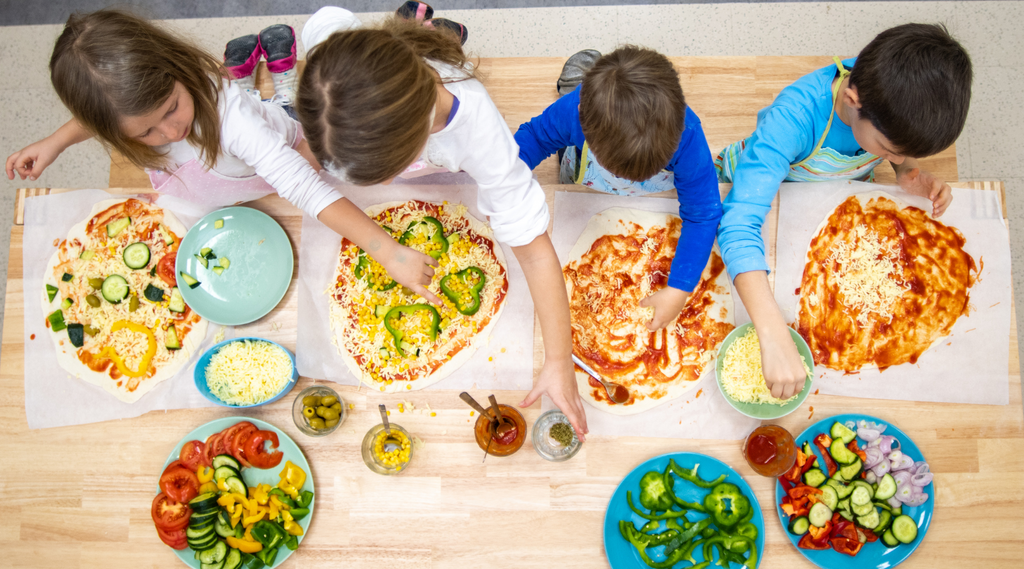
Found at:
[547, 287]
[549, 132]
[29, 162]
[920, 182]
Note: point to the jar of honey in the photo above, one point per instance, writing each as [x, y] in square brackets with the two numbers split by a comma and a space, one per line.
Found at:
[503, 439]
[770, 450]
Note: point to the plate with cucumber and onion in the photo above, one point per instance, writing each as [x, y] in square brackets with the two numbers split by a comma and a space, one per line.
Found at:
[860, 494]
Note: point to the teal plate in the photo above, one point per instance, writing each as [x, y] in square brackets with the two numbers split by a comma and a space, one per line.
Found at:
[253, 476]
[765, 411]
[259, 273]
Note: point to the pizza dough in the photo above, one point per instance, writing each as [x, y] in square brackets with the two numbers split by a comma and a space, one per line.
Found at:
[882, 283]
[622, 257]
[369, 349]
[89, 362]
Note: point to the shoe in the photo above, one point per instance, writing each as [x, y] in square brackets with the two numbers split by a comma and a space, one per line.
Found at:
[454, 27]
[575, 68]
[418, 11]
[278, 44]
[241, 55]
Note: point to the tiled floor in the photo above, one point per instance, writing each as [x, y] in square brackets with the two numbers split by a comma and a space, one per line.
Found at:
[990, 147]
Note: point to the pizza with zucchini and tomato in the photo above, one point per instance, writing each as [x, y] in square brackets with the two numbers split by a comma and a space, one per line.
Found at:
[111, 301]
[391, 338]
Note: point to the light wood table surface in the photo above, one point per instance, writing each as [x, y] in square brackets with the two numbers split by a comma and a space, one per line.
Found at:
[77, 497]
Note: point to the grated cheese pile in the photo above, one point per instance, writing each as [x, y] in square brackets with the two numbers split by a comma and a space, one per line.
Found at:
[868, 269]
[741, 372]
[247, 373]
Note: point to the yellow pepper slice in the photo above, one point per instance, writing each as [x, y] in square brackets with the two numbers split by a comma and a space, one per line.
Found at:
[222, 486]
[294, 475]
[287, 516]
[204, 474]
[250, 520]
[236, 518]
[292, 528]
[207, 487]
[244, 546]
[260, 494]
[147, 358]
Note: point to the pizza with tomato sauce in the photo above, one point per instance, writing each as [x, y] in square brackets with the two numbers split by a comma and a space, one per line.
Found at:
[111, 301]
[390, 338]
[622, 257]
[882, 283]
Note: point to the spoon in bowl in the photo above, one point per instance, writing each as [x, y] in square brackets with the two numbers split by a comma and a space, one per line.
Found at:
[390, 443]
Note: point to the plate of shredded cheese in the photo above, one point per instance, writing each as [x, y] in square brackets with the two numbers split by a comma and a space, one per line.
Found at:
[740, 380]
[246, 372]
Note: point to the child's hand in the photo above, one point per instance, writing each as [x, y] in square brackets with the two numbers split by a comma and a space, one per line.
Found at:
[29, 162]
[558, 380]
[667, 304]
[781, 365]
[411, 269]
[923, 183]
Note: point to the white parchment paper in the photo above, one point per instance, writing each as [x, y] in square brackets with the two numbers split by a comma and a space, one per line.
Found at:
[969, 366]
[701, 414]
[503, 361]
[53, 397]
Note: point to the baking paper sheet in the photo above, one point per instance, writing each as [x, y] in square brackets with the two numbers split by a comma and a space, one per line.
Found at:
[969, 366]
[489, 368]
[703, 413]
[53, 397]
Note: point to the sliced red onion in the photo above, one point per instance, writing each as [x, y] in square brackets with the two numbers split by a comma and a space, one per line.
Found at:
[870, 477]
[861, 537]
[850, 425]
[885, 443]
[893, 502]
[904, 464]
[922, 479]
[902, 478]
[904, 493]
[916, 499]
[920, 467]
[881, 468]
[870, 425]
[874, 456]
[868, 434]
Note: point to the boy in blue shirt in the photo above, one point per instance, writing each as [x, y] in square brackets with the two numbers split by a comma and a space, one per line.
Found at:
[904, 97]
[627, 130]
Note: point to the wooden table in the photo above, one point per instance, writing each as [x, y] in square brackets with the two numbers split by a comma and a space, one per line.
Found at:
[80, 496]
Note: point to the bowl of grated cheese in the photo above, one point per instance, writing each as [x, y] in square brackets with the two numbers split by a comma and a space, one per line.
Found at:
[739, 376]
[246, 372]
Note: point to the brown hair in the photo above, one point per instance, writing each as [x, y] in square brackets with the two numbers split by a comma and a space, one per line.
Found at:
[632, 111]
[366, 95]
[110, 64]
[914, 85]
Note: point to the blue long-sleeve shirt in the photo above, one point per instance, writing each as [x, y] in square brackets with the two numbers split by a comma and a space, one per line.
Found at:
[700, 204]
[787, 132]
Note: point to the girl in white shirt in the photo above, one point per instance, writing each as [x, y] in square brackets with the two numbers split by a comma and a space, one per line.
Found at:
[399, 101]
[170, 108]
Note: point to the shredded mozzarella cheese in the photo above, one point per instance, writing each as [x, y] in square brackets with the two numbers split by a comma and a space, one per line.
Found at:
[868, 274]
[247, 373]
[742, 378]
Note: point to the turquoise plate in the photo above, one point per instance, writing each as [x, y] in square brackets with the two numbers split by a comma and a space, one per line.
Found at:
[200, 373]
[253, 476]
[871, 555]
[622, 555]
[259, 273]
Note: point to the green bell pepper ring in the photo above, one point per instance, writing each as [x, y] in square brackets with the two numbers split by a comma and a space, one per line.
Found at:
[671, 493]
[463, 289]
[299, 513]
[432, 233]
[750, 561]
[746, 529]
[362, 271]
[665, 516]
[691, 475]
[641, 542]
[654, 491]
[305, 499]
[268, 534]
[393, 321]
[727, 505]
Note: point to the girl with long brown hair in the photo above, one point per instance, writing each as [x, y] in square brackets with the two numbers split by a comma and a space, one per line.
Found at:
[401, 100]
[172, 109]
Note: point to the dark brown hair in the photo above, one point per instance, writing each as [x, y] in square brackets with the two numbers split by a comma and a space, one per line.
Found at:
[632, 111]
[914, 85]
[110, 64]
[366, 95]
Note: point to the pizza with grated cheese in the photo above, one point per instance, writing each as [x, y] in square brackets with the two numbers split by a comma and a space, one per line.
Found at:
[111, 302]
[622, 257]
[389, 337]
[882, 283]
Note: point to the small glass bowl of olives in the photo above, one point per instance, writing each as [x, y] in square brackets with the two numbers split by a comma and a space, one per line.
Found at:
[318, 411]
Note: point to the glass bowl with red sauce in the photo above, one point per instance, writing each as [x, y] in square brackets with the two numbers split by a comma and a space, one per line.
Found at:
[504, 445]
[770, 450]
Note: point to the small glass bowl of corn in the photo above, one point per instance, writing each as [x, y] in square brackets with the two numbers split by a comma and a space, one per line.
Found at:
[318, 411]
[387, 453]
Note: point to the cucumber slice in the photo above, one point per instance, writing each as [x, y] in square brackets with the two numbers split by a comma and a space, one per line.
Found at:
[114, 288]
[51, 292]
[829, 497]
[799, 525]
[814, 477]
[87, 255]
[225, 472]
[136, 255]
[206, 252]
[203, 261]
[820, 515]
[224, 262]
[215, 554]
[226, 460]
[860, 496]
[870, 520]
[198, 534]
[841, 431]
[889, 539]
[168, 240]
[189, 279]
[235, 484]
[233, 560]
[114, 228]
[66, 303]
[886, 488]
[452, 238]
[218, 270]
[204, 502]
[863, 509]
[153, 294]
[884, 519]
[171, 341]
[842, 454]
[904, 529]
[56, 319]
[177, 303]
[223, 530]
[66, 277]
[846, 514]
[852, 470]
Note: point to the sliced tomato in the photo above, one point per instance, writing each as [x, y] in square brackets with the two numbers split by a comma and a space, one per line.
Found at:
[257, 454]
[207, 454]
[238, 443]
[192, 454]
[176, 463]
[174, 539]
[169, 515]
[165, 269]
[180, 484]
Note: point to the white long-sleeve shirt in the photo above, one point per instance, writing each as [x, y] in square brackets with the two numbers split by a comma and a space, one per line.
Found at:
[476, 141]
[256, 139]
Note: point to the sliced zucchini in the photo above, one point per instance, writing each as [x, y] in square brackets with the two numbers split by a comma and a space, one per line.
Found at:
[56, 319]
[189, 279]
[66, 277]
[136, 255]
[171, 341]
[177, 303]
[153, 294]
[51, 292]
[820, 515]
[76, 333]
[114, 288]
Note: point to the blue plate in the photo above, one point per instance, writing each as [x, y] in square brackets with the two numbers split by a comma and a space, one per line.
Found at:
[621, 554]
[872, 554]
[200, 374]
[259, 273]
[253, 476]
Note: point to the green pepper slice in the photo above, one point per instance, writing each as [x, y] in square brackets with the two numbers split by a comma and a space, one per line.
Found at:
[727, 505]
[399, 318]
[654, 492]
[268, 534]
[377, 279]
[463, 289]
[691, 476]
[642, 541]
[426, 236]
[305, 499]
[669, 482]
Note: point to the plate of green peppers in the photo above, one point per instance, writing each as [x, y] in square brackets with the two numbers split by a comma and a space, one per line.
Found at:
[683, 510]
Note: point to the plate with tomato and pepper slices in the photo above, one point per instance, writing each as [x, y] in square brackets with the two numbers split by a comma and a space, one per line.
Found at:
[263, 454]
[838, 544]
[706, 507]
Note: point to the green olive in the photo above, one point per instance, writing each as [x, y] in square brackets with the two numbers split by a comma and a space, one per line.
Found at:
[311, 400]
[331, 423]
[337, 407]
[92, 301]
[309, 412]
[328, 400]
[90, 330]
[320, 410]
[317, 423]
[133, 304]
[329, 414]
[96, 282]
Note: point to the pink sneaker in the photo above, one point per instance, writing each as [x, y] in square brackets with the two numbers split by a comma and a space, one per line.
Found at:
[242, 55]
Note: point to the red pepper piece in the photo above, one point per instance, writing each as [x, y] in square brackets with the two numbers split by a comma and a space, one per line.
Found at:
[848, 546]
[823, 441]
[870, 535]
[786, 484]
[856, 450]
[807, 542]
[803, 491]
